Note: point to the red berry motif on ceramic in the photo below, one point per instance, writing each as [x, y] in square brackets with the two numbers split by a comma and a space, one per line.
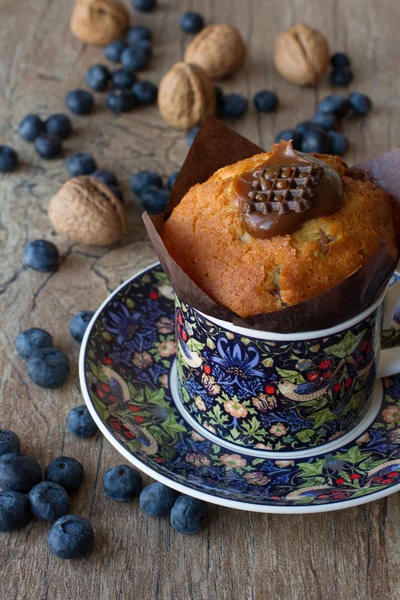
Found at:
[325, 363]
[270, 389]
[207, 369]
[337, 387]
[312, 376]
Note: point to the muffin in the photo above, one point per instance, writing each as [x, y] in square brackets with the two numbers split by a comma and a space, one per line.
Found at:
[214, 233]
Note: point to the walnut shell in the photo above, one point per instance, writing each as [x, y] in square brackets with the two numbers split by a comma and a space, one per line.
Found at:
[185, 96]
[87, 211]
[218, 49]
[301, 55]
[99, 21]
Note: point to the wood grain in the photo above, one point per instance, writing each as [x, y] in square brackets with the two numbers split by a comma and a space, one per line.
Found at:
[347, 555]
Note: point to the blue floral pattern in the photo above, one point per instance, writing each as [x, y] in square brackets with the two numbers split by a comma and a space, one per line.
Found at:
[282, 395]
[126, 377]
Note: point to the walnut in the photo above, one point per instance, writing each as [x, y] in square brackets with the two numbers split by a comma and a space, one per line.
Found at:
[301, 55]
[218, 49]
[186, 95]
[87, 211]
[99, 21]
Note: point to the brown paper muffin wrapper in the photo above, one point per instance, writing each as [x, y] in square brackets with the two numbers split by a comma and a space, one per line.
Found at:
[216, 146]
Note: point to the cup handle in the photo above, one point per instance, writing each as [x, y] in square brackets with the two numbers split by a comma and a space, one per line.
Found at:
[389, 360]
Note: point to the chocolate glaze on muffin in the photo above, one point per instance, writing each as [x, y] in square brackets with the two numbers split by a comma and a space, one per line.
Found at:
[304, 245]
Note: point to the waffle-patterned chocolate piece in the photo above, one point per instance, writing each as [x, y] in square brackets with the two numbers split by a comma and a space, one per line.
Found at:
[283, 188]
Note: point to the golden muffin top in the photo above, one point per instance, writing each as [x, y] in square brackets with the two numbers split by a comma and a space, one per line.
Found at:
[214, 234]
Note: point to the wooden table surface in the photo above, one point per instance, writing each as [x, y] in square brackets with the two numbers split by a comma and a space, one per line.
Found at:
[346, 555]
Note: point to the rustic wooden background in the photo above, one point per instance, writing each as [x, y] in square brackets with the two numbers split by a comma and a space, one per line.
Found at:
[347, 555]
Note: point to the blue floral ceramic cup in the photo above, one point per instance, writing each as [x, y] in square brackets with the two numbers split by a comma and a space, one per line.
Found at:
[281, 392]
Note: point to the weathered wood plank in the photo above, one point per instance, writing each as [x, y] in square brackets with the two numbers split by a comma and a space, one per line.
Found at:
[350, 555]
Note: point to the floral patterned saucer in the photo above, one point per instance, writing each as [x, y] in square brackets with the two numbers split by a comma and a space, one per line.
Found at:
[127, 372]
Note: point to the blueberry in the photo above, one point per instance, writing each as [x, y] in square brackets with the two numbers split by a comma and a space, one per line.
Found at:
[154, 199]
[49, 501]
[8, 159]
[233, 106]
[114, 50]
[97, 77]
[360, 103]
[123, 78]
[157, 499]
[70, 537]
[133, 58]
[9, 442]
[14, 511]
[334, 104]
[191, 134]
[19, 472]
[81, 163]
[144, 5]
[139, 32]
[105, 177]
[143, 179]
[188, 515]
[59, 124]
[341, 76]
[290, 134]
[315, 140]
[117, 192]
[120, 101]
[340, 59]
[80, 102]
[171, 179]
[122, 483]
[48, 367]
[325, 120]
[32, 339]
[65, 471]
[41, 255]
[191, 22]
[79, 324]
[48, 146]
[339, 143]
[145, 92]
[30, 127]
[306, 126]
[144, 47]
[266, 102]
[80, 422]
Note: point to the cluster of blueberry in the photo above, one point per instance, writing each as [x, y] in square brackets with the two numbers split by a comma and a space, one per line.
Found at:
[341, 74]
[126, 91]
[187, 514]
[24, 493]
[148, 186]
[48, 366]
[318, 135]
